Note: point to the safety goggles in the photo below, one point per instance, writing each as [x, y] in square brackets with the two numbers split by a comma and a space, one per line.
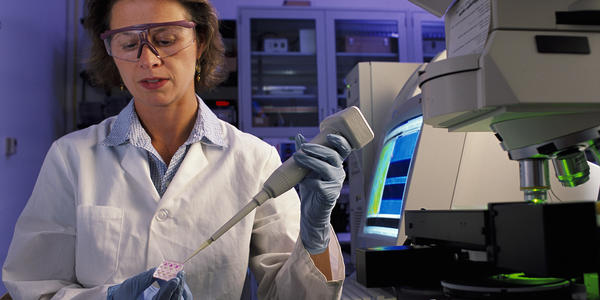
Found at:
[163, 39]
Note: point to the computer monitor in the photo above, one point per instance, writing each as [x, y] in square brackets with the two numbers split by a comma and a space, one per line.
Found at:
[386, 198]
[391, 173]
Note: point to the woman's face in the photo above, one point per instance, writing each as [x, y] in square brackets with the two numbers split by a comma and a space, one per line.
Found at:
[156, 82]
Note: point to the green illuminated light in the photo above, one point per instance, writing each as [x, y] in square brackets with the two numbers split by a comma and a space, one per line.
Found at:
[591, 286]
[537, 201]
[570, 178]
[379, 179]
[519, 278]
[576, 175]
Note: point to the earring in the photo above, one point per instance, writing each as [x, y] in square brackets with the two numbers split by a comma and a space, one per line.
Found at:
[122, 87]
[198, 69]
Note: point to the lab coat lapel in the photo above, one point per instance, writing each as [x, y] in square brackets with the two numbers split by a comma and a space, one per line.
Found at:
[192, 164]
[135, 163]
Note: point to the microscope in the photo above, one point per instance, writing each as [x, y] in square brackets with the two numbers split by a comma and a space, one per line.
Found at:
[527, 71]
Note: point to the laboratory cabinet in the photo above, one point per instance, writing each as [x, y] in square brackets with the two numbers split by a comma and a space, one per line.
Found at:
[427, 36]
[355, 37]
[281, 71]
[293, 61]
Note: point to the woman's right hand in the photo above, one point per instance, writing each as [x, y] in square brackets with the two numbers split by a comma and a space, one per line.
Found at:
[174, 289]
[132, 287]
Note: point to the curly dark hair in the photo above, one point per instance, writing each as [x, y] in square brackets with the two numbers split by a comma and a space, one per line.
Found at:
[103, 70]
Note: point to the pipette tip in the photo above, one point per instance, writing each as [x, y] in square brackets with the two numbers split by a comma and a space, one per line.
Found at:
[202, 247]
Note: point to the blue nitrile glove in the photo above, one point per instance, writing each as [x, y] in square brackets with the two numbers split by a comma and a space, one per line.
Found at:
[174, 289]
[320, 188]
[132, 287]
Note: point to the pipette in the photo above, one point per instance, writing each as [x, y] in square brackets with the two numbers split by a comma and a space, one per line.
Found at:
[350, 123]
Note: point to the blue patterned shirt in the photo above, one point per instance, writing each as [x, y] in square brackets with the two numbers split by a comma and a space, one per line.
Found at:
[128, 129]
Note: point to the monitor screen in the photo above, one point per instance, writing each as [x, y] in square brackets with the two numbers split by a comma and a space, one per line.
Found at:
[391, 176]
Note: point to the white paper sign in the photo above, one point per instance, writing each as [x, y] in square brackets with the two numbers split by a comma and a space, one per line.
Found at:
[467, 27]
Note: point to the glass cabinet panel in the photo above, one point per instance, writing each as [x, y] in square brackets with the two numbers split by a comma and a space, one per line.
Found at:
[362, 40]
[428, 36]
[282, 78]
[433, 37]
[293, 62]
[359, 37]
[284, 73]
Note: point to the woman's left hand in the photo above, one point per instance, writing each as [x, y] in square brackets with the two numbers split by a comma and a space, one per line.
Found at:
[320, 189]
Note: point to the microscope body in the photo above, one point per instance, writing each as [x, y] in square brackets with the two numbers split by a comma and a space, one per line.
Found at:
[526, 70]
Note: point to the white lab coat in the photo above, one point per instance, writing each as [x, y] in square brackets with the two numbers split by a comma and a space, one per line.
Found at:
[95, 219]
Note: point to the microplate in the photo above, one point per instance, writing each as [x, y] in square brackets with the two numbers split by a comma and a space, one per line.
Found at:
[168, 270]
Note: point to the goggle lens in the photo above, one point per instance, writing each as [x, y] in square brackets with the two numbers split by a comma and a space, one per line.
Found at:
[163, 41]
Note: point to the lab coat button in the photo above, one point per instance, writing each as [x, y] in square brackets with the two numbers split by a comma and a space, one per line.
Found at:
[162, 215]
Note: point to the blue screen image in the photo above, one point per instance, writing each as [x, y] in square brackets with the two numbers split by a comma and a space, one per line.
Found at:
[391, 175]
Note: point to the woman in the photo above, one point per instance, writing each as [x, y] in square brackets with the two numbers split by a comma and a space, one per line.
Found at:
[116, 199]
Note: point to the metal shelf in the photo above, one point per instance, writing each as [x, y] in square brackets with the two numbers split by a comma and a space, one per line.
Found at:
[262, 53]
[289, 109]
[361, 54]
[285, 96]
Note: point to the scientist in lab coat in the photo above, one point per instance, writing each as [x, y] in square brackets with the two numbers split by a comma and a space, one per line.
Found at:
[116, 199]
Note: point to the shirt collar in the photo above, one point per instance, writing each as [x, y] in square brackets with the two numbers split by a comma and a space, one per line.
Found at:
[207, 128]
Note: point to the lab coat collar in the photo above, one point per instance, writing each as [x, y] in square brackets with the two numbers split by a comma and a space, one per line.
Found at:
[135, 163]
[207, 128]
[193, 164]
